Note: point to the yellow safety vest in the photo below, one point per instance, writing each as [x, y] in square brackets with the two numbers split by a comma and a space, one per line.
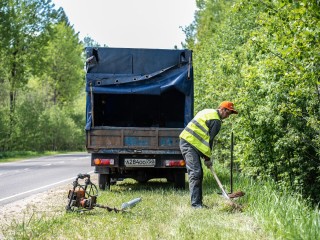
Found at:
[197, 133]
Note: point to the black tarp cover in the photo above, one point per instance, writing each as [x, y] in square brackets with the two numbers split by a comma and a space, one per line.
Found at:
[138, 71]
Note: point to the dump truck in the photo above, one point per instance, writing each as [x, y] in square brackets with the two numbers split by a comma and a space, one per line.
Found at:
[137, 103]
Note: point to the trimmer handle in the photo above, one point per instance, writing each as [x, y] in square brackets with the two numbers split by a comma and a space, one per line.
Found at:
[224, 193]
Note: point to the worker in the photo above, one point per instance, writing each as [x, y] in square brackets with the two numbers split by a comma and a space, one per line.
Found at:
[196, 142]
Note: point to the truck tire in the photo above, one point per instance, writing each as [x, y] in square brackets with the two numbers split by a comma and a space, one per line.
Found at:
[104, 181]
[179, 180]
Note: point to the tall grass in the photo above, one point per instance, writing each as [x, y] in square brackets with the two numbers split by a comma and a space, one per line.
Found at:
[282, 213]
[165, 213]
[285, 214]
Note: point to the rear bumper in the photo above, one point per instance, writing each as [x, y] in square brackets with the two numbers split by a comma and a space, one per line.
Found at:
[119, 160]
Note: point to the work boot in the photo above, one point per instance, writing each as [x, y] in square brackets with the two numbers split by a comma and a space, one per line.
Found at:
[202, 206]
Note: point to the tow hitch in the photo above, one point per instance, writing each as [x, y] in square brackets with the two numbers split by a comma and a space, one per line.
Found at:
[83, 197]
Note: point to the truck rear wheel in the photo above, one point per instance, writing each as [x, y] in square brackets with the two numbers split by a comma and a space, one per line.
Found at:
[104, 181]
[179, 180]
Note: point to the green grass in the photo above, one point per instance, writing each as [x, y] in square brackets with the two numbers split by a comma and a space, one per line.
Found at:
[165, 213]
[285, 214]
[19, 155]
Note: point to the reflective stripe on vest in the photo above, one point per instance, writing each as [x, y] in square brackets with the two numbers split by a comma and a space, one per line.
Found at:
[197, 133]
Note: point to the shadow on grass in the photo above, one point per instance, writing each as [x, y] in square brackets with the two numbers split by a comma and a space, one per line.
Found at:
[151, 185]
[209, 184]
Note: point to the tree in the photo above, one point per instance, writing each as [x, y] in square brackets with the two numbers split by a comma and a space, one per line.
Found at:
[264, 56]
[89, 42]
[63, 72]
[22, 24]
[283, 69]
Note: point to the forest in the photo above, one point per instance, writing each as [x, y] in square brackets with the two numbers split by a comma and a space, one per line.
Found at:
[264, 55]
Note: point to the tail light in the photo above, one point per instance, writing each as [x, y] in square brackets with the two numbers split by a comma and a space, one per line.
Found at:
[103, 161]
[175, 163]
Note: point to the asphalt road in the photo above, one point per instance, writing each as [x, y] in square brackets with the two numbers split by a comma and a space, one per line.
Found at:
[21, 179]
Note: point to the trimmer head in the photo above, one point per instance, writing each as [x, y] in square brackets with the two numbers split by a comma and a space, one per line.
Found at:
[236, 194]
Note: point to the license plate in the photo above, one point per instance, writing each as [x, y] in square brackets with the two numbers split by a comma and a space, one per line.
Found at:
[134, 162]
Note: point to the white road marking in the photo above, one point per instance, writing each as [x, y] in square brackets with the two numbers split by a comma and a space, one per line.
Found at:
[36, 189]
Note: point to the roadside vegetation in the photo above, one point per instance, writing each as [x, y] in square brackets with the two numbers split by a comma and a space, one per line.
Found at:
[165, 213]
[20, 155]
[262, 55]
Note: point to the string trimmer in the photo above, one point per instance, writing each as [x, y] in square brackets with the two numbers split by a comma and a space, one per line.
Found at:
[84, 197]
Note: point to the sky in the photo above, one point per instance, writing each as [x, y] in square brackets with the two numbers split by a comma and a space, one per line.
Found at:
[131, 23]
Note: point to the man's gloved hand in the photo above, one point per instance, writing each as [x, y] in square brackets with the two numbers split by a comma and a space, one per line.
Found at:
[207, 162]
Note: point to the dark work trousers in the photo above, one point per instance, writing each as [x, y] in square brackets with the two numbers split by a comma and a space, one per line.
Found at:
[195, 172]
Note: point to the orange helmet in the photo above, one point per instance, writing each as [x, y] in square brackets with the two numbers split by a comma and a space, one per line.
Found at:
[228, 105]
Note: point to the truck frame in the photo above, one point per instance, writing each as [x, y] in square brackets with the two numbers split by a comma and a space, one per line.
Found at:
[138, 102]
